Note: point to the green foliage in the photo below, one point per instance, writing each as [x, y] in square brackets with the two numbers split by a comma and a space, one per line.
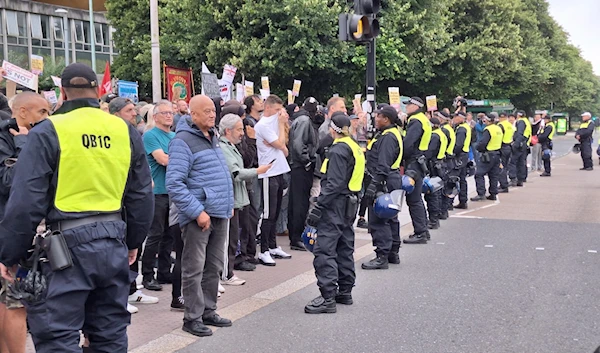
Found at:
[483, 48]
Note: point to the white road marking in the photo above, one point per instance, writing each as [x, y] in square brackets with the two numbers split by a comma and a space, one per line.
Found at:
[440, 243]
[592, 251]
[541, 249]
[460, 216]
[489, 246]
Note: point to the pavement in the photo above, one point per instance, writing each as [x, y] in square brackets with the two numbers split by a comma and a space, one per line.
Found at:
[515, 275]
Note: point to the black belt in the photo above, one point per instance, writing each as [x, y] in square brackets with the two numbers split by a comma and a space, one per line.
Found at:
[74, 223]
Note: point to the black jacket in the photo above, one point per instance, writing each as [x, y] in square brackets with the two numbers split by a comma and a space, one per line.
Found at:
[414, 133]
[544, 137]
[339, 171]
[461, 137]
[33, 200]
[434, 147]
[381, 156]
[303, 142]
[485, 139]
[585, 134]
[10, 147]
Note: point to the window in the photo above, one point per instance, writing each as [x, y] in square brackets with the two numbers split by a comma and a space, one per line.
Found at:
[58, 28]
[36, 27]
[40, 30]
[12, 24]
[16, 27]
[79, 32]
[99, 33]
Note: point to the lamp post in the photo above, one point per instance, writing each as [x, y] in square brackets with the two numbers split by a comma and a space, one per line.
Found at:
[66, 33]
[92, 34]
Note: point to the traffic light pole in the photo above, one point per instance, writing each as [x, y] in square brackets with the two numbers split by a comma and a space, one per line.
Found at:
[371, 82]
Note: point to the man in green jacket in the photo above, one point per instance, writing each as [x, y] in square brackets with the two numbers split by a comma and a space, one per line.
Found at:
[231, 129]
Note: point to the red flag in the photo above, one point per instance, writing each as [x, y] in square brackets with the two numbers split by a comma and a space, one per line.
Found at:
[178, 83]
[106, 86]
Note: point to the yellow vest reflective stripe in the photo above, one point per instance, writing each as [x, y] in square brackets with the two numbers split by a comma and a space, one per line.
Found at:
[396, 132]
[585, 124]
[358, 170]
[527, 132]
[551, 136]
[94, 161]
[495, 137]
[426, 137]
[452, 139]
[468, 138]
[509, 131]
[443, 143]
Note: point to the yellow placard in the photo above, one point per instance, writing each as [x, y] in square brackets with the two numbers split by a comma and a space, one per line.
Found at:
[296, 88]
[290, 97]
[431, 103]
[394, 94]
[37, 64]
[265, 83]
[249, 85]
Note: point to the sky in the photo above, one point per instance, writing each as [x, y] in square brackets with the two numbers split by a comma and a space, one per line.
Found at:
[580, 18]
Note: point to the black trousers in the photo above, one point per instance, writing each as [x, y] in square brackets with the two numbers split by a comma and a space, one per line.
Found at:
[547, 163]
[434, 204]
[505, 153]
[492, 169]
[299, 200]
[248, 224]
[414, 201]
[272, 196]
[518, 165]
[234, 237]
[176, 275]
[386, 232]
[364, 202]
[586, 153]
[159, 241]
[462, 174]
[334, 249]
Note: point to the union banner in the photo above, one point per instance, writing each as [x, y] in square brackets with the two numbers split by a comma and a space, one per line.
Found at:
[178, 83]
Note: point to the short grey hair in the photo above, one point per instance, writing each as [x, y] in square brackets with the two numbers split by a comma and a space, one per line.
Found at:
[161, 102]
[228, 122]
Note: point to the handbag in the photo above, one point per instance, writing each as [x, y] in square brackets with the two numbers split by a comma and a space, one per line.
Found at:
[534, 140]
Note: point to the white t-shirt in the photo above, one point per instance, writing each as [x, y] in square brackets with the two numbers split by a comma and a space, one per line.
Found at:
[267, 129]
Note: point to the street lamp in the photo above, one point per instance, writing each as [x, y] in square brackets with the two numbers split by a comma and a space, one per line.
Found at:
[66, 33]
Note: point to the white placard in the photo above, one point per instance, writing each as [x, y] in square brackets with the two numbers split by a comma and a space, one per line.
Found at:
[20, 75]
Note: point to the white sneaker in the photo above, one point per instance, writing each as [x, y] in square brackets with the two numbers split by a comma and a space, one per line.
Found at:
[132, 309]
[266, 259]
[278, 253]
[234, 281]
[140, 298]
[221, 289]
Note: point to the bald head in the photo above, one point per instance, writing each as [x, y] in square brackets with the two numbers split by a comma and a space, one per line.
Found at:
[203, 112]
[29, 108]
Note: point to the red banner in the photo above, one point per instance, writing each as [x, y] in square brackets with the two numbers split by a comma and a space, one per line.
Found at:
[106, 86]
[178, 83]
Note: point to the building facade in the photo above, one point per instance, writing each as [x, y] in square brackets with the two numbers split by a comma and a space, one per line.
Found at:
[36, 28]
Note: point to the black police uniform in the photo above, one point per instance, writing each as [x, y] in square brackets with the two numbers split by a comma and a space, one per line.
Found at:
[489, 163]
[505, 153]
[92, 293]
[436, 169]
[585, 131]
[545, 138]
[462, 158]
[517, 171]
[446, 203]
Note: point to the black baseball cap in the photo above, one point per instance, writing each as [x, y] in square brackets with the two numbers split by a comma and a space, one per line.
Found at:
[389, 112]
[80, 71]
[339, 121]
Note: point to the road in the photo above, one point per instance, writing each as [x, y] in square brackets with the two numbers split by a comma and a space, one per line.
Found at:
[518, 275]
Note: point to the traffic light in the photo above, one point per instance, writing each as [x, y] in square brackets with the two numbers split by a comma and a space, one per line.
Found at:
[363, 25]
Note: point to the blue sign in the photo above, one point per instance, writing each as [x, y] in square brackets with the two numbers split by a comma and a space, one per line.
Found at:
[128, 89]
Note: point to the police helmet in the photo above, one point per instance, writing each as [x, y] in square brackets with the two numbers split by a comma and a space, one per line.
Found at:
[547, 154]
[577, 148]
[385, 208]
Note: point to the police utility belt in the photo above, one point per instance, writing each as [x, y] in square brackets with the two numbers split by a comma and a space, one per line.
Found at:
[486, 157]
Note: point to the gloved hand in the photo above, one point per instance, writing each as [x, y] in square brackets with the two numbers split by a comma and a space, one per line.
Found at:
[314, 216]
[371, 191]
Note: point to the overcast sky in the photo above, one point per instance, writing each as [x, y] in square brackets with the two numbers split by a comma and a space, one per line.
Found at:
[580, 19]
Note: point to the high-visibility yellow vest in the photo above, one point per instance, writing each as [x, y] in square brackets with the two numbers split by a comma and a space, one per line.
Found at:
[585, 124]
[495, 142]
[509, 132]
[443, 143]
[396, 132]
[94, 161]
[527, 132]
[468, 138]
[426, 137]
[358, 170]
[551, 124]
[452, 139]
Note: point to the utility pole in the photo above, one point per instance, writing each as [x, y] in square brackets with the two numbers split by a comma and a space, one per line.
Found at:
[371, 46]
[156, 95]
[92, 34]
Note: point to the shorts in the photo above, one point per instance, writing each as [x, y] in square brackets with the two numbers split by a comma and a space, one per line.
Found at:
[10, 303]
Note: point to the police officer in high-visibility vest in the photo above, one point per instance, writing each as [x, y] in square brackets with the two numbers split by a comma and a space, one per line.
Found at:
[461, 155]
[384, 154]
[545, 138]
[436, 155]
[333, 216]
[446, 127]
[517, 171]
[85, 172]
[508, 130]
[584, 136]
[489, 163]
[416, 144]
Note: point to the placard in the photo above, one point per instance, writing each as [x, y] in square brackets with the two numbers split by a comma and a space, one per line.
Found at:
[431, 103]
[56, 80]
[128, 89]
[228, 74]
[291, 97]
[210, 85]
[225, 90]
[249, 88]
[51, 97]
[264, 93]
[240, 92]
[37, 64]
[296, 88]
[20, 75]
[265, 83]
[394, 95]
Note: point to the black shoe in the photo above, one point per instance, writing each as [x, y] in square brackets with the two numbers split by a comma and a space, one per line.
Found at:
[164, 280]
[444, 215]
[513, 183]
[588, 168]
[196, 328]
[253, 261]
[216, 320]
[461, 206]
[244, 266]
[451, 207]
[321, 305]
[433, 224]
[503, 190]
[545, 174]
[416, 239]
[378, 263]
[519, 183]
[298, 246]
[491, 197]
[344, 297]
[178, 304]
[362, 223]
[394, 258]
[478, 198]
[152, 285]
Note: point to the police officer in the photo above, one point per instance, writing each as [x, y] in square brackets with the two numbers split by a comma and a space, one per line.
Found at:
[584, 136]
[333, 216]
[448, 130]
[489, 162]
[508, 131]
[545, 138]
[384, 154]
[461, 155]
[436, 156]
[517, 171]
[78, 170]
